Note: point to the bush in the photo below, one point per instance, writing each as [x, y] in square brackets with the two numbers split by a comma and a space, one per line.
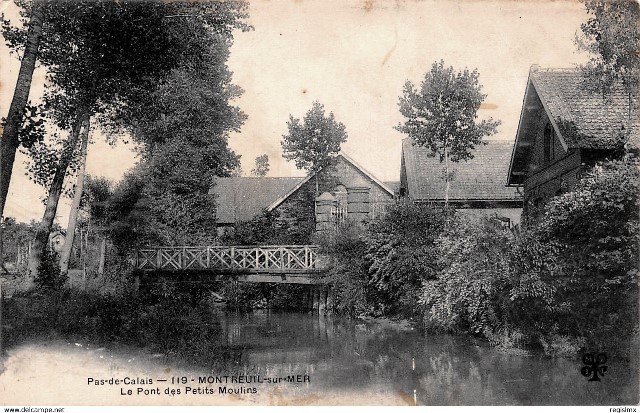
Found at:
[344, 252]
[49, 276]
[568, 282]
[399, 255]
[469, 292]
[588, 258]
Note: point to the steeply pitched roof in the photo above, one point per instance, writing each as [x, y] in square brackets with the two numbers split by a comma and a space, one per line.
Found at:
[242, 198]
[478, 179]
[585, 119]
[350, 161]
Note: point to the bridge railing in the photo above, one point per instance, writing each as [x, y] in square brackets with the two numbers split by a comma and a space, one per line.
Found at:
[256, 259]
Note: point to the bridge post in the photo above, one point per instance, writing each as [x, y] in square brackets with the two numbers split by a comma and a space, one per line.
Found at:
[316, 298]
[322, 295]
[329, 298]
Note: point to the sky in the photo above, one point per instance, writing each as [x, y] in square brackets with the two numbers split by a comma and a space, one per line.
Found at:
[354, 57]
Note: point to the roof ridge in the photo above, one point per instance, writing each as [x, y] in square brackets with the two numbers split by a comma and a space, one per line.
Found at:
[259, 177]
[536, 68]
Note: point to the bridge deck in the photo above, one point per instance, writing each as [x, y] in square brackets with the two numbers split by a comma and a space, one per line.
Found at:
[271, 263]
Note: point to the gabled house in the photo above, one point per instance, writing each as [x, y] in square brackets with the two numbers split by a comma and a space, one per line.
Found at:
[240, 199]
[477, 188]
[564, 128]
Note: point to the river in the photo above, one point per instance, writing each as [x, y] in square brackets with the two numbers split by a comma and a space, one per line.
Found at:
[327, 360]
[344, 356]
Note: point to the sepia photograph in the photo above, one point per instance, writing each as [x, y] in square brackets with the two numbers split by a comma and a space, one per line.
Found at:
[255, 203]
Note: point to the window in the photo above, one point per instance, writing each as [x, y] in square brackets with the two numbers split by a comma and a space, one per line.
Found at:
[340, 212]
[549, 141]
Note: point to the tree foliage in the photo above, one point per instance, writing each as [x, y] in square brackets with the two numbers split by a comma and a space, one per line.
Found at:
[123, 63]
[569, 281]
[262, 166]
[442, 115]
[612, 37]
[184, 128]
[470, 289]
[346, 271]
[400, 255]
[312, 141]
[595, 232]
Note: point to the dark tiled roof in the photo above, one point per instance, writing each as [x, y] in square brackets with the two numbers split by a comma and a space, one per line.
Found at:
[586, 119]
[240, 199]
[481, 178]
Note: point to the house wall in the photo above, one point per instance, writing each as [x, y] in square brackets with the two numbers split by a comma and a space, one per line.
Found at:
[346, 173]
[300, 206]
[547, 179]
[343, 174]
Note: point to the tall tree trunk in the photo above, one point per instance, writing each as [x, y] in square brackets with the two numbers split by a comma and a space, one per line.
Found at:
[2, 267]
[44, 228]
[77, 197]
[9, 143]
[103, 252]
[446, 178]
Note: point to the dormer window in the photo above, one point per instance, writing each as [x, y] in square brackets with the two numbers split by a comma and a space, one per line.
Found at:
[549, 141]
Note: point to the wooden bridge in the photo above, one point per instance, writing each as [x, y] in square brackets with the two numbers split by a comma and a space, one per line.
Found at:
[292, 264]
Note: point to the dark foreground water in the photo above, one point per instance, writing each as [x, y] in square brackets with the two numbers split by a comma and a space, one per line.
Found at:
[345, 357]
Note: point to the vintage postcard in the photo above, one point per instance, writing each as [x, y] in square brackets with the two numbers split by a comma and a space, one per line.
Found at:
[319, 203]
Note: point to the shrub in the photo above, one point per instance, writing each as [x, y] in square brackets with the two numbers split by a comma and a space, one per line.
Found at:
[591, 236]
[49, 276]
[400, 253]
[469, 292]
[343, 252]
[575, 269]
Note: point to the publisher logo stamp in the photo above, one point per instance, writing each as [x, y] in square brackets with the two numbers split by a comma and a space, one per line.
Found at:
[594, 365]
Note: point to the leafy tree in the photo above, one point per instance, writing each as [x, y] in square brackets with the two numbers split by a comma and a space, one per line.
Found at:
[11, 125]
[262, 166]
[612, 37]
[442, 115]
[312, 142]
[14, 238]
[102, 57]
[185, 124]
[94, 201]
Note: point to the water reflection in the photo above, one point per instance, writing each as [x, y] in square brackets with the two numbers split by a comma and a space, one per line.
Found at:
[349, 356]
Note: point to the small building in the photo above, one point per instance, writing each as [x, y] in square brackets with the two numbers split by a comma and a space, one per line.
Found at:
[239, 199]
[565, 128]
[477, 188]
